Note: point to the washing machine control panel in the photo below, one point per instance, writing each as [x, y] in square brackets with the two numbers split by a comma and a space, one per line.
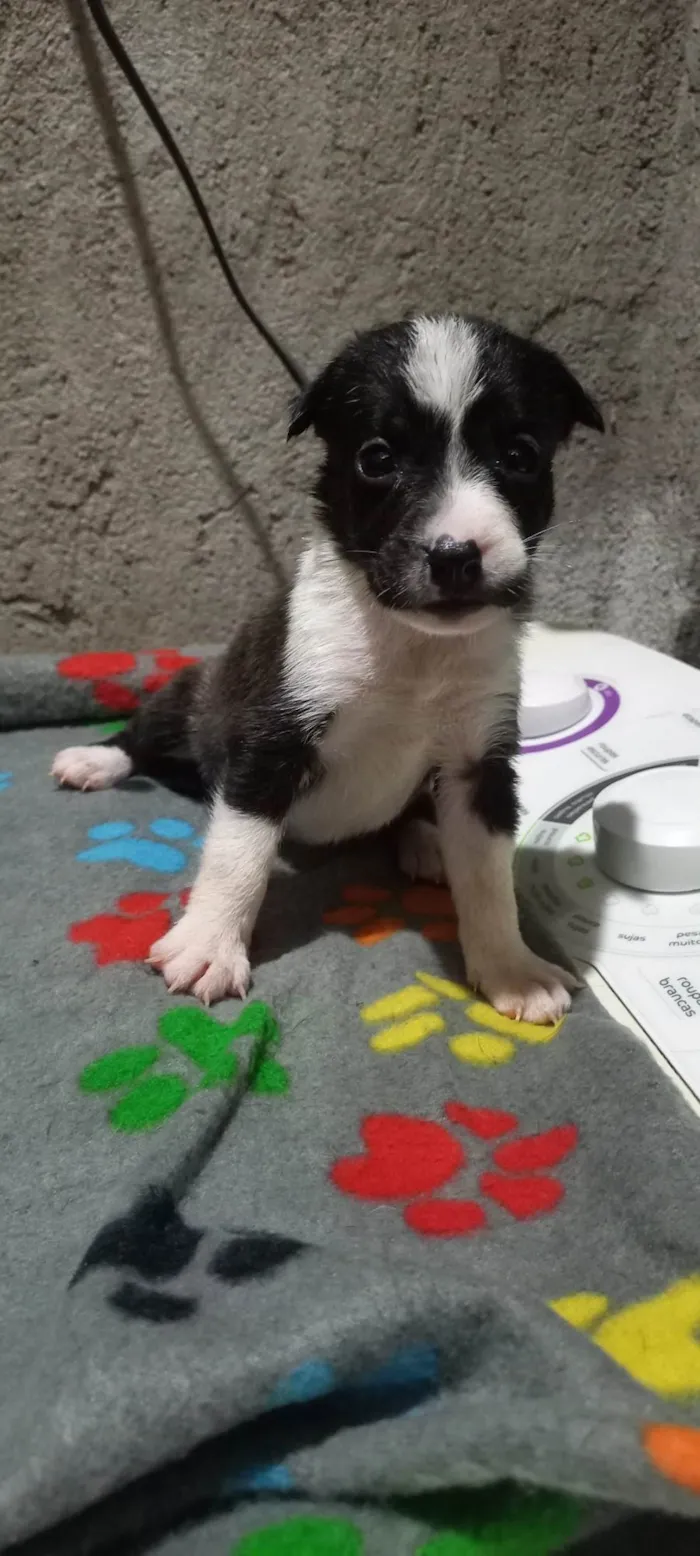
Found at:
[609, 846]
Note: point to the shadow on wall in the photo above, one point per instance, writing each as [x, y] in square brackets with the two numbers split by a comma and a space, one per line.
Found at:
[687, 640]
[120, 157]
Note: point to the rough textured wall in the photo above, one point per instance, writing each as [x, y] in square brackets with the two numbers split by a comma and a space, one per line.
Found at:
[525, 158]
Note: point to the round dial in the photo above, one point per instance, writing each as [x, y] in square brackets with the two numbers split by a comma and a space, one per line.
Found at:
[647, 830]
[551, 703]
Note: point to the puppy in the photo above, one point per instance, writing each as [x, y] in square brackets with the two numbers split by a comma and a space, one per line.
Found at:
[390, 663]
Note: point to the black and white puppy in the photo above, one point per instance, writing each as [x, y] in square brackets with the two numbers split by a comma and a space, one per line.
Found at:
[392, 660]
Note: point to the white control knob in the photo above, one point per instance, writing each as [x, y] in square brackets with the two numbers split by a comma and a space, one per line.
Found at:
[647, 830]
[552, 703]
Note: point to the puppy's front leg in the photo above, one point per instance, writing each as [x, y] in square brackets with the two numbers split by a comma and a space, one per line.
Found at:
[477, 818]
[207, 950]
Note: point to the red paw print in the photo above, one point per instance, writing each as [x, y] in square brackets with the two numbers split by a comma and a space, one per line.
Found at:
[410, 1158]
[373, 914]
[167, 661]
[101, 670]
[128, 934]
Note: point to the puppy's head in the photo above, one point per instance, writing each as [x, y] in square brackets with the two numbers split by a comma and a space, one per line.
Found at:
[437, 478]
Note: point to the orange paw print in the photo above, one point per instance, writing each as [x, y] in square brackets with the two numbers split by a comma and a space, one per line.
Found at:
[374, 913]
[675, 1452]
[432, 1005]
[656, 1341]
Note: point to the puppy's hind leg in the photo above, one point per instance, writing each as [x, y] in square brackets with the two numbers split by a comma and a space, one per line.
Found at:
[155, 742]
[419, 851]
[418, 845]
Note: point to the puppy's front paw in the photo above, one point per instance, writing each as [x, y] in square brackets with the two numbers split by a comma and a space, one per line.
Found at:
[199, 958]
[420, 855]
[525, 987]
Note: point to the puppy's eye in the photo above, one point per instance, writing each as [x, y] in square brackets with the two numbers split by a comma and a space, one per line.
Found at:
[521, 457]
[374, 462]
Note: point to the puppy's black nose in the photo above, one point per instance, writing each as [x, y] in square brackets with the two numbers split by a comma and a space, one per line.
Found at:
[455, 565]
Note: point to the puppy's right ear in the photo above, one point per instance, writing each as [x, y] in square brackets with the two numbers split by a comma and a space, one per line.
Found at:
[318, 402]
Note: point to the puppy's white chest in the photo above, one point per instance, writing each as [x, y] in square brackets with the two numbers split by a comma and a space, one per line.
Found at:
[398, 702]
[375, 755]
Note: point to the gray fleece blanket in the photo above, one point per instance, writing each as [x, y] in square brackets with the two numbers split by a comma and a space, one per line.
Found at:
[358, 1267]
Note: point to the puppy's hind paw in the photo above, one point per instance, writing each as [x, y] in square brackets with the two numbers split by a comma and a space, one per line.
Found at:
[91, 767]
[420, 855]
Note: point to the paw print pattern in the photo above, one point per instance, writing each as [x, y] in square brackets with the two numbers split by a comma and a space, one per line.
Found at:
[411, 1158]
[507, 1522]
[147, 1091]
[6, 782]
[107, 674]
[114, 727]
[675, 1452]
[167, 663]
[314, 1536]
[655, 1340]
[154, 1244]
[127, 933]
[500, 1522]
[117, 840]
[403, 1383]
[373, 913]
[432, 1005]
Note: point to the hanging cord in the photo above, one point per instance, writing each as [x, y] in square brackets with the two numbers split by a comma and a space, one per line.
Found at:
[126, 65]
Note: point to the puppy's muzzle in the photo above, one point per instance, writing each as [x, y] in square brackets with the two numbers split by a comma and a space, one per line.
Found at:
[455, 568]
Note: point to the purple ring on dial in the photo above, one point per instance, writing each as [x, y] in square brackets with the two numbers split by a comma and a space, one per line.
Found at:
[611, 703]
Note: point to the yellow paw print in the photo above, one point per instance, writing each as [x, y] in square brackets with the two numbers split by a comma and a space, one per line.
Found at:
[656, 1341]
[410, 1015]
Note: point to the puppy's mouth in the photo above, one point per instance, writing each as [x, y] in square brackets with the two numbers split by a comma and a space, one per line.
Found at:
[451, 616]
[452, 608]
[467, 611]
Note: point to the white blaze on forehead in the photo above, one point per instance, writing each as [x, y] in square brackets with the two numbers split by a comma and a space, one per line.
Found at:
[442, 368]
[443, 372]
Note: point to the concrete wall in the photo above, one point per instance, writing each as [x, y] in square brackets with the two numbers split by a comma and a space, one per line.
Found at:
[531, 159]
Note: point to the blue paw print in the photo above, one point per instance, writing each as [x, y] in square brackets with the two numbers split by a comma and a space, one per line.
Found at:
[116, 840]
[5, 782]
[275, 1478]
[310, 1380]
[405, 1380]
[397, 1387]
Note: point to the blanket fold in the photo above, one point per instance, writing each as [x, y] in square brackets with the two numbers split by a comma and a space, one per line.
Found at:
[357, 1267]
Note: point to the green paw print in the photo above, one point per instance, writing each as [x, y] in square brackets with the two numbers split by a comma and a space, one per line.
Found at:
[504, 1522]
[148, 1095]
[493, 1523]
[114, 727]
[302, 1537]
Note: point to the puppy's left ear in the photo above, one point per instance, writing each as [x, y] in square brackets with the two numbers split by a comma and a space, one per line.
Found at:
[307, 407]
[301, 414]
[579, 407]
[586, 411]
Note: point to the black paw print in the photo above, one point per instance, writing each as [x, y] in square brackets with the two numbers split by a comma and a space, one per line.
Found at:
[154, 1242]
